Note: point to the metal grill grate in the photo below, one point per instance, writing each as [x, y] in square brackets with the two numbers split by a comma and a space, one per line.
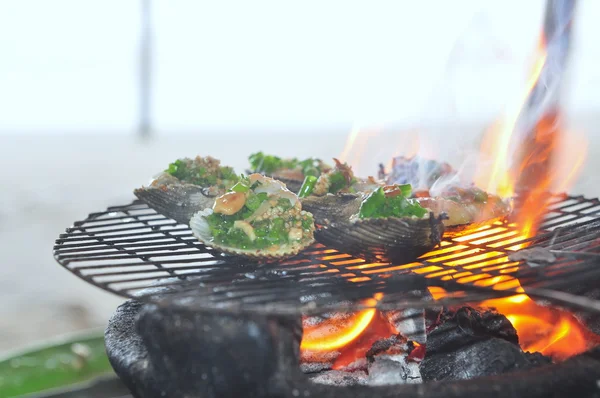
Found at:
[128, 249]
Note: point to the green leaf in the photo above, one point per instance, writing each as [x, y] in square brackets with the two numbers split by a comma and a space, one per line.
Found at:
[240, 187]
[337, 182]
[54, 366]
[254, 201]
[377, 205]
[372, 203]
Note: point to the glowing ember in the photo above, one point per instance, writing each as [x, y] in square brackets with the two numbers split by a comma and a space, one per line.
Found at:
[353, 334]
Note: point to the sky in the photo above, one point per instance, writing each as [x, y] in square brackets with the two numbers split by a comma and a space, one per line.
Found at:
[73, 66]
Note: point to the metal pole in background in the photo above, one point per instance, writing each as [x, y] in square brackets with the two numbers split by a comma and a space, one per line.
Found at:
[145, 72]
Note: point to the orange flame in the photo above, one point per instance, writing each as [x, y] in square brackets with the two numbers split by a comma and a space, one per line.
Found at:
[552, 332]
[327, 337]
[498, 140]
[542, 329]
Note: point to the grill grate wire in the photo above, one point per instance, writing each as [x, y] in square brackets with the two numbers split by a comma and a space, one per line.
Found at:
[132, 251]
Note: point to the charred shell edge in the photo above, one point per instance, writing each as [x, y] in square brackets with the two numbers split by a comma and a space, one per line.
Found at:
[201, 231]
[361, 238]
[435, 224]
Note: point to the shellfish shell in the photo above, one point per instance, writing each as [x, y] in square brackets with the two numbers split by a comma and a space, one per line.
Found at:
[201, 231]
[169, 197]
[386, 239]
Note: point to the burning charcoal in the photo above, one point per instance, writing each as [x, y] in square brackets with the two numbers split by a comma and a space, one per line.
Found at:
[389, 363]
[486, 357]
[462, 326]
[340, 378]
[387, 370]
[312, 365]
[469, 343]
[410, 323]
[537, 359]
[381, 346]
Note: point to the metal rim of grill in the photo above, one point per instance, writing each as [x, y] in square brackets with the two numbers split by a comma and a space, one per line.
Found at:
[134, 252]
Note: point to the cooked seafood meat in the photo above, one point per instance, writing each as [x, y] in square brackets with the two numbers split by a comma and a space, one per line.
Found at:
[258, 217]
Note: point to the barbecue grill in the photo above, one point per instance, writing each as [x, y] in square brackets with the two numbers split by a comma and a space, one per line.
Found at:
[128, 249]
[221, 304]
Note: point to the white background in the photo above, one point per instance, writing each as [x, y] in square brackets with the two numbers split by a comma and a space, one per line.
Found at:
[72, 66]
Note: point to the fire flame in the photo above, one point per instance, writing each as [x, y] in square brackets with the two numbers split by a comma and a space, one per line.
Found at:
[552, 332]
[498, 140]
[546, 161]
[549, 331]
[324, 337]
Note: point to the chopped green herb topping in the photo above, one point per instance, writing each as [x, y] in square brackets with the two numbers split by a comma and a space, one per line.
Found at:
[307, 186]
[269, 164]
[202, 171]
[264, 220]
[391, 202]
[340, 178]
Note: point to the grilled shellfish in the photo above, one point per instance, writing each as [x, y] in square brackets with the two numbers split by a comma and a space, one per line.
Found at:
[186, 187]
[291, 172]
[467, 209]
[384, 224]
[259, 218]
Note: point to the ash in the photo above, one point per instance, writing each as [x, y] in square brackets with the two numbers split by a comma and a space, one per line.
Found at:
[393, 369]
[341, 378]
[388, 362]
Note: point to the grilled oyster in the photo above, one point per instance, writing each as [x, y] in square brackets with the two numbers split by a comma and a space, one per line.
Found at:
[186, 187]
[466, 208]
[291, 172]
[384, 224]
[259, 217]
[340, 179]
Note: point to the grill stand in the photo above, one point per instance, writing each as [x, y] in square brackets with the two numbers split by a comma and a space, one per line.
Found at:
[166, 351]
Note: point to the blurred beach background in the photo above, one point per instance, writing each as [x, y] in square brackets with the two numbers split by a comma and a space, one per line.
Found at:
[96, 97]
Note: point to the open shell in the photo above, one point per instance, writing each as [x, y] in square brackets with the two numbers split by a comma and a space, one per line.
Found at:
[169, 197]
[292, 184]
[292, 179]
[386, 239]
[201, 229]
